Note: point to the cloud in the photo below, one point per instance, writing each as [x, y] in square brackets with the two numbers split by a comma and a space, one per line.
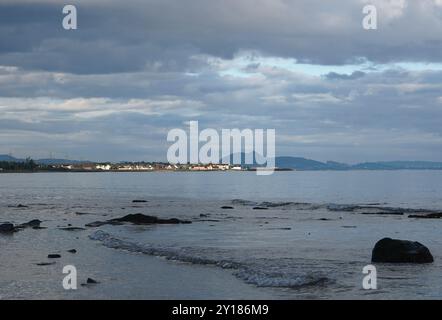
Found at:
[132, 71]
[126, 37]
[354, 75]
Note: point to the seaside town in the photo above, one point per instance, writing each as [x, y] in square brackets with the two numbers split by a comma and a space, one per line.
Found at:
[144, 166]
[38, 165]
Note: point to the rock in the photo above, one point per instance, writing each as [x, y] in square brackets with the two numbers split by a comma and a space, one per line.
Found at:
[138, 219]
[82, 213]
[260, 208]
[54, 256]
[7, 228]
[400, 251]
[227, 207]
[96, 224]
[394, 213]
[434, 215]
[22, 206]
[45, 263]
[91, 281]
[32, 224]
[71, 228]
[139, 201]
[72, 251]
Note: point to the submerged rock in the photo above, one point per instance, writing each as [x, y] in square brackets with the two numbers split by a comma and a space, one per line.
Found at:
[9, 227]
[82, 213]
[72, 251]
[71, 228]
[138, 219]
[139, 201]
[32, 224]
[260, 208]
[395, 213]
[400, 251]
[227, 207]
[54, 256]
[434, 215]
[45, 263]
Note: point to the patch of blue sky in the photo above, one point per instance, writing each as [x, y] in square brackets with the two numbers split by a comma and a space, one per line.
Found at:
[246, 66]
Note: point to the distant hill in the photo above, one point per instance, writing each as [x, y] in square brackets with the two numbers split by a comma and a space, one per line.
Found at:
[299, 163]
[396, 165]
[59, 161]
[287, 162]
[4, 157]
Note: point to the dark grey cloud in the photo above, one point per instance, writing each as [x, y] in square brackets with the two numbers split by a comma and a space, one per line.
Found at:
[115, 36]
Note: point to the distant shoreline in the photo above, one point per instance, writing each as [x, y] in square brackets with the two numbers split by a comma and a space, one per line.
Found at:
[205, 171]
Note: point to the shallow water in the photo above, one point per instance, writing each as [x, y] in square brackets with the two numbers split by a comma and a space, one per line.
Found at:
[310, 242]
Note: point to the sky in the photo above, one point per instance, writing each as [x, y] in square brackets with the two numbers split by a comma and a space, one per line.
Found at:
[133, 70]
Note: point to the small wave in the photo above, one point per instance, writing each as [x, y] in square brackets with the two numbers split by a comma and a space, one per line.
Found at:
[168, 253]
[253, 275]
[281, 280]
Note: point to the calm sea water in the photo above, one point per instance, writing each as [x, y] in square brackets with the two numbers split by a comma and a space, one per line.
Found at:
[310, 242]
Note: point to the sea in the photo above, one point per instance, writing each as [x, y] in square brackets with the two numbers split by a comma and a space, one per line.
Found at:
[289, 235]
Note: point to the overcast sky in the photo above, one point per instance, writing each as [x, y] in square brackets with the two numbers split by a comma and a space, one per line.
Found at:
[133, 70]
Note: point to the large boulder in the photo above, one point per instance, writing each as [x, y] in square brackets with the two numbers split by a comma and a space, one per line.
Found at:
[400, 251]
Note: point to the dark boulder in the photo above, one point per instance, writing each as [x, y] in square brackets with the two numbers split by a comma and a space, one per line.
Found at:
[400, 251]
[91, 281]
[54, 256]
[7, 228]
[227, 207]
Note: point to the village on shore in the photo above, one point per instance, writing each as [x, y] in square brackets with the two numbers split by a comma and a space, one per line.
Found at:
[143, 166]
[54, 165]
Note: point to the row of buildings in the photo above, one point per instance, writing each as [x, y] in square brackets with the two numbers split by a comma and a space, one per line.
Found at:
[145, 167]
